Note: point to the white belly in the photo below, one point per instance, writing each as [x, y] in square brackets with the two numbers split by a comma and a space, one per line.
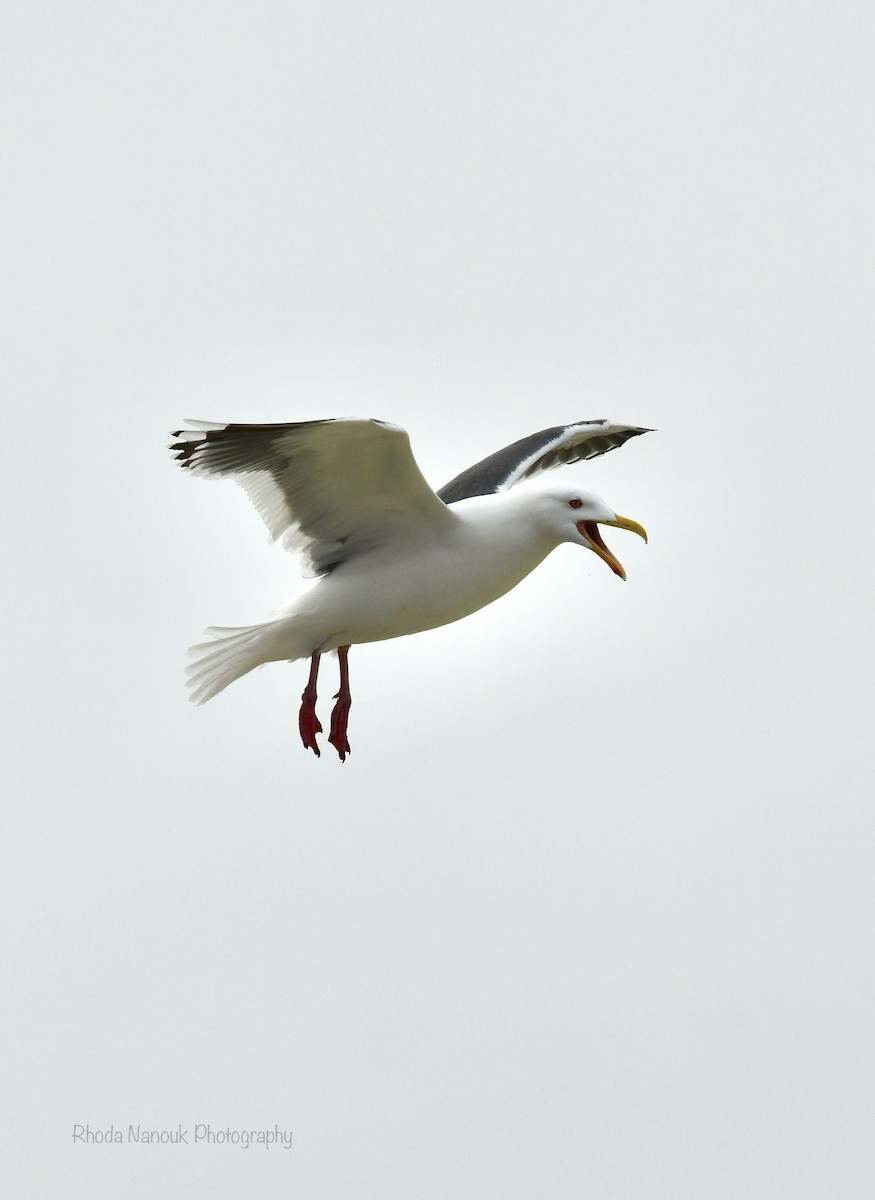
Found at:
[373, 600]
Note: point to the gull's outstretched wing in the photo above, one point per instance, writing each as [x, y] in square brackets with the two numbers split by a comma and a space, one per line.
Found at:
[554, 447]
[331, 489]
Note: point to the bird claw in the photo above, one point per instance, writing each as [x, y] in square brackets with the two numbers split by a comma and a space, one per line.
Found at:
[308, 722]
[339, 718]
[309, 725]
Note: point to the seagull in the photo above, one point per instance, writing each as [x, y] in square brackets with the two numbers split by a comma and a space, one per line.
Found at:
[391, 556]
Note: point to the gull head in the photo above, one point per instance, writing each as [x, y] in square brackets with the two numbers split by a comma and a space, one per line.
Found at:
[575, 516]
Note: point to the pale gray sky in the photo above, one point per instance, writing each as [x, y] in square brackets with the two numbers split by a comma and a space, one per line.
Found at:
[588, 912]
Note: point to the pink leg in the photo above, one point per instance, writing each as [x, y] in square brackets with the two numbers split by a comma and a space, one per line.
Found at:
[308, 722]
[340, 712]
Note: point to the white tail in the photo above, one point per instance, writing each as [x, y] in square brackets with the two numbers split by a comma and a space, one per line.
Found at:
[232, 653]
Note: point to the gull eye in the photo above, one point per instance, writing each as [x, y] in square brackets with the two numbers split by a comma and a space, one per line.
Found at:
[576, 503]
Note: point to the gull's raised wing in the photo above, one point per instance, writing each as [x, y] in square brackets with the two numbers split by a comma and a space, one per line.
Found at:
[331, 489]
[555, 447]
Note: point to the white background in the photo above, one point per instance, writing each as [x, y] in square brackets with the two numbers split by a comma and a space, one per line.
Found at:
[588, 911]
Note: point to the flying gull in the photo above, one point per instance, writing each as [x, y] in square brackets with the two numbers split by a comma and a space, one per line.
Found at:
[393, 557]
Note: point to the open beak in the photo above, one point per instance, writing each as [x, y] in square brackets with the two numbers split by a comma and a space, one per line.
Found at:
[590, 530]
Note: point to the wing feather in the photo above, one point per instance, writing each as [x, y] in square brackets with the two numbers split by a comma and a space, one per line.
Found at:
[554, 447]
[330, 489]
